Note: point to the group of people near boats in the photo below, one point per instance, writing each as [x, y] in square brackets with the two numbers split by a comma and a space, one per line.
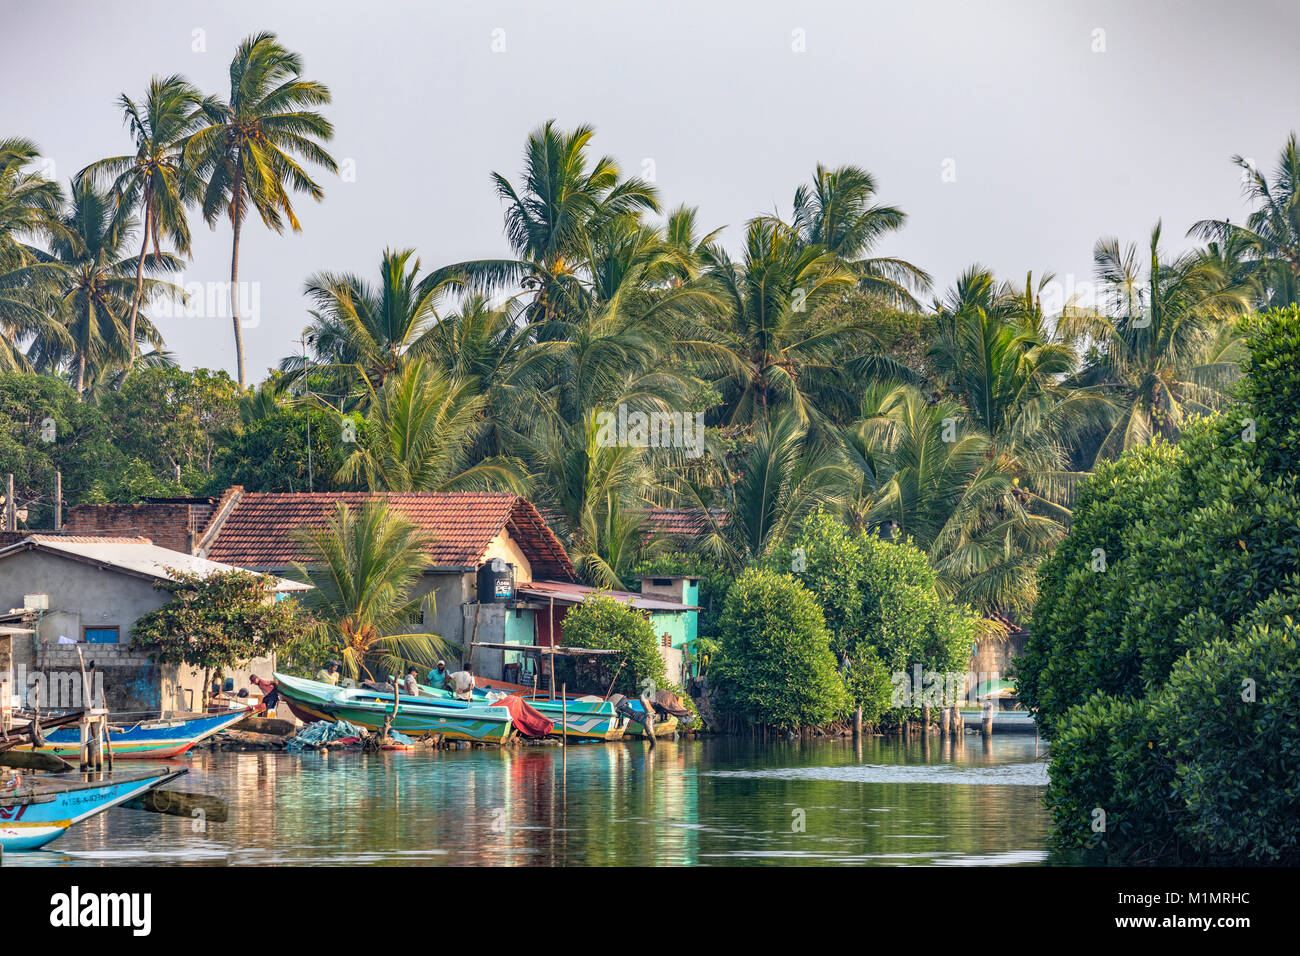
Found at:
[461, 683]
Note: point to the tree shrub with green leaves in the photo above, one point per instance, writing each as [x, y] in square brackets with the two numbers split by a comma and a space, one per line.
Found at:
[1143, 667]
[775, 667]
[221, 620]
[883, 610]
[603, 623]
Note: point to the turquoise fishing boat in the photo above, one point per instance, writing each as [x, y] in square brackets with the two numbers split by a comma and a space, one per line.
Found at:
[413, 716]
[578, 718]
[36, 809]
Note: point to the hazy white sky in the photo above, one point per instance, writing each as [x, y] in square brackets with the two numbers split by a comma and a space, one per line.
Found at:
[1052, 143]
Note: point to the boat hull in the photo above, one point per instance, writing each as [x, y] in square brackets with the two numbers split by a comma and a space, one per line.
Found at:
[148, 740]
[664, 727]
[585, 720]
[415, 716]
[30, 819]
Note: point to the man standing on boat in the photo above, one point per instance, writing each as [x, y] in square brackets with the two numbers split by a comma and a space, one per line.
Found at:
[463, 684]
[412, 686]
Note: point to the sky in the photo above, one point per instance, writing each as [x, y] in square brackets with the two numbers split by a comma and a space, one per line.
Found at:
[1013, 134]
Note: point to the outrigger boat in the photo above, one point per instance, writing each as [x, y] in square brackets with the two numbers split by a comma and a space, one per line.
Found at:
[36, 809]
[154, 739]
[413, 716]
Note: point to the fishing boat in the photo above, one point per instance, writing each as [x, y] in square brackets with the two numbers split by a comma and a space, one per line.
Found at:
[413, 716]
[38, 808]
[154, 739]
[577, 717]
[587, 718]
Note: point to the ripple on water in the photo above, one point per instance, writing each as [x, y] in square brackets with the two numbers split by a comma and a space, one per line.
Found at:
[1013, 774]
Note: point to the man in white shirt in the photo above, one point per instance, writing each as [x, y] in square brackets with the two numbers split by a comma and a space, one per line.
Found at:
[462, 683]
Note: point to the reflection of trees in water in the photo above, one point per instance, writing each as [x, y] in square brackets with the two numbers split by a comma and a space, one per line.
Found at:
[611, 804]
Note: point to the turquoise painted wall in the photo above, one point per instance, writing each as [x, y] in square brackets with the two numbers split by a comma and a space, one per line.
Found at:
[519, 630]
[680, 627]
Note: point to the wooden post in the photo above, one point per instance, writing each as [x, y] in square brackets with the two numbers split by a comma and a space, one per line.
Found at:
[58, 501]
[987, 728]
[550, 626]
[945, 722]
[564, 715]
[11, 512]
[925, 719]
[857, 724]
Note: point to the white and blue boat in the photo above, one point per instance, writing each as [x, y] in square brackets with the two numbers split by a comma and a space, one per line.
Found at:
[38, 808]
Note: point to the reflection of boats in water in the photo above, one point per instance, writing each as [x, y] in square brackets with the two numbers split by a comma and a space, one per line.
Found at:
[413, 716]
[40, 807]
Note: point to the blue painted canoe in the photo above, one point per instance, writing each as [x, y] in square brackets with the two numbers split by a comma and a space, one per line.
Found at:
[41, 807]
[147, 740]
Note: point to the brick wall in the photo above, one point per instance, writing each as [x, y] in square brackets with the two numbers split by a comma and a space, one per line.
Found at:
[169, 525]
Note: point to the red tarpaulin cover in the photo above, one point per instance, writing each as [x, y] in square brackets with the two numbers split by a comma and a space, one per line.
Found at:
[527, 720]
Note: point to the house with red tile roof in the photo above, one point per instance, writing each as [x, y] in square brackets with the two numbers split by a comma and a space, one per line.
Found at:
[470, 532]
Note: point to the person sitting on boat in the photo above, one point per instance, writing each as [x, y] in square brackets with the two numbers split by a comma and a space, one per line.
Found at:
[412, 686]
[270, 694]
[329, 674]
[437, 678]
[463, 684]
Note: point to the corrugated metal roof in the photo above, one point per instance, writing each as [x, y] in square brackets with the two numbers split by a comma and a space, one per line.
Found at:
[578, 593]
[137, 555]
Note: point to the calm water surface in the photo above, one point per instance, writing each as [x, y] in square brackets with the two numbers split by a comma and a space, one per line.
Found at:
[716, 802]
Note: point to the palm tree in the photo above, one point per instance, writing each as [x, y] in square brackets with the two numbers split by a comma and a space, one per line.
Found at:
[594, 492]
[364, 331]
[775, 350]
[782, 474]
[1271, 235]
[30, 207]
[152, 181]
[1163, 341]
[839, 213]
[97, 287]
[363, 566]
[925, 471]
[423, 427]
[995, 355]
[561, 201]
[248, 156]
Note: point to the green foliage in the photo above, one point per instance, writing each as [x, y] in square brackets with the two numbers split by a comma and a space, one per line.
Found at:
[1228, 718]
[81, 449]
[270, 454]
[222, 620]
[604, 623]
[1201, 541]
[1106, 759]
[882, 607]
[775, 666]
[164, 417]
[1271, 386]
[1077, 642]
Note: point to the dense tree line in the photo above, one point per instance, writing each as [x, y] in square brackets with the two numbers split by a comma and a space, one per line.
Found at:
[823, 376]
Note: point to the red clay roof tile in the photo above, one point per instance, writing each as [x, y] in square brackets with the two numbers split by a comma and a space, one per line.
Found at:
[257, 533]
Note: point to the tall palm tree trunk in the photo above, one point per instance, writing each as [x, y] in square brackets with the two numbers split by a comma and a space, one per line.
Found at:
[234, 288]
[139, 293]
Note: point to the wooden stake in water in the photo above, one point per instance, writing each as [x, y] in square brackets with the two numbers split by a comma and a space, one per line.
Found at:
[564, 716]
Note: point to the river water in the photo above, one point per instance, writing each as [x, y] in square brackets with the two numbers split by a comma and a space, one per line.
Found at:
[724, 801]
